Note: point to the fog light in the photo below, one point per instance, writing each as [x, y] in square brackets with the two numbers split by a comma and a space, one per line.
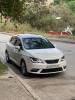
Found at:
[34, 70]
[64, 67]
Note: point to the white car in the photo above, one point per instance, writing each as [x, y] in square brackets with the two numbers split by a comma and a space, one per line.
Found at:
[35, 54]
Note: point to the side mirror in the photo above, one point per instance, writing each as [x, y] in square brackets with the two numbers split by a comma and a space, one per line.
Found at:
[17, 47]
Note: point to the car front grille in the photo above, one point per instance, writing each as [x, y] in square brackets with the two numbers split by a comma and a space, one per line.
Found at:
[52, 61]
[51, 70]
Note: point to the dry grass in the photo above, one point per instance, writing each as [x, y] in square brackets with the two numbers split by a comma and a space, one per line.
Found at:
[3, 68]
[17, 28]
[26, 28]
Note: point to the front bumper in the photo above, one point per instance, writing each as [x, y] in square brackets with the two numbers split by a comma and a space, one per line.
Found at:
[40, 68]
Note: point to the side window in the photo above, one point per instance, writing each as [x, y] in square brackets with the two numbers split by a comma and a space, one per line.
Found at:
[18, 43]
[12, 40]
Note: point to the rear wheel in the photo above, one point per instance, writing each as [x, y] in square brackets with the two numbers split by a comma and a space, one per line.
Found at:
[23, 68]
[7, 57]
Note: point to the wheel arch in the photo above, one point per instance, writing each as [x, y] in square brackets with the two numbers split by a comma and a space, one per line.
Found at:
[22, 60]
[6, 51]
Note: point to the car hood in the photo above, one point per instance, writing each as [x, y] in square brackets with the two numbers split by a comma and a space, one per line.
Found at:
[46, 54]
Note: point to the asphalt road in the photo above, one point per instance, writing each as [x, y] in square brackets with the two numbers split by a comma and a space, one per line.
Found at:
[49, 87]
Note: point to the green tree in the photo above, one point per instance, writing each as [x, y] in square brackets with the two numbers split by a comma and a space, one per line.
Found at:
[72, 5]
[56, 1]
[62, 1]
[12, 8]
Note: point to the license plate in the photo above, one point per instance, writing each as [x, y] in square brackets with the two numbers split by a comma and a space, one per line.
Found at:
[52, 66]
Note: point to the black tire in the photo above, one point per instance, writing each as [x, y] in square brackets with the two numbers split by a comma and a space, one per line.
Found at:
[23, 68]
[7, 57]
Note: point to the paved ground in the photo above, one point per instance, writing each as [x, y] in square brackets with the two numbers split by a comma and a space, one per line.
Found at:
[12, 89]
[51, 87]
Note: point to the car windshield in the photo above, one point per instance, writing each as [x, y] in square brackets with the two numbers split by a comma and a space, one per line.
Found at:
[36, 43]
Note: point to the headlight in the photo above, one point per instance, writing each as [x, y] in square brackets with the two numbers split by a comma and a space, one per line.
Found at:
[36, 60]
[62, 58]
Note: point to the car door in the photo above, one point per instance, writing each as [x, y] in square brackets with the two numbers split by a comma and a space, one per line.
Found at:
[17, 52]
[10, 47]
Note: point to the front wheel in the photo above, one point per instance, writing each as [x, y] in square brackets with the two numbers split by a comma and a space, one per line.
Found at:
[23, 68]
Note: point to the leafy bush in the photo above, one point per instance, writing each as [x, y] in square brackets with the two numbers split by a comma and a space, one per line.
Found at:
[46, 23]
[72, 6]
[73, 31]
[56, 2]
[44, 19]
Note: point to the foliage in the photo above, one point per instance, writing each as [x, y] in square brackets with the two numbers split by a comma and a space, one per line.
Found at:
[44, 18]
[73, 32]
[6, 7]
[61, 1]
[11, 9]
[64, 13]
[72, 6]
[21, 28]
[37, 16]
[56, 2]
[2, 68]
[45, 23]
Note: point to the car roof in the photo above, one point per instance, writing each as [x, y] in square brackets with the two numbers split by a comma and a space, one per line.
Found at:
[28, 36]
